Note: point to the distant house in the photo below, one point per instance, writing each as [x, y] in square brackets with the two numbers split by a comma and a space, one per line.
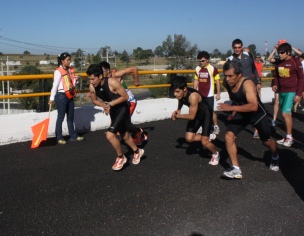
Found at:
[45, 62]
[13, 63]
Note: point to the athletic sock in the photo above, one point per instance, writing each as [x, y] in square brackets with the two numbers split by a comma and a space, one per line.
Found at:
[236, 167]
[289, 136]
[136, 151]
[121, 156]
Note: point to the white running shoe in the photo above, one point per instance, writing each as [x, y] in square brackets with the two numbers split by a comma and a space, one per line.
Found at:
[215, 159]
[281, 141]
[288, 142]
[212, 137]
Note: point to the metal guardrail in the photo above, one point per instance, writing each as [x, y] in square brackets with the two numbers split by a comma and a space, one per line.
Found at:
[50, 76]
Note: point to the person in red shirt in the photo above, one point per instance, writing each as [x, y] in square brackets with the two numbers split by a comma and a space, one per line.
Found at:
[289, 82]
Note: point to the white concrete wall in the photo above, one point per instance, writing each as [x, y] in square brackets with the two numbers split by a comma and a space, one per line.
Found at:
[17, 127]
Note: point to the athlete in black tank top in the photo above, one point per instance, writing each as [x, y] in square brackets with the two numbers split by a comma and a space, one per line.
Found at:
[114, 102]
[247, 109]
[200, 114]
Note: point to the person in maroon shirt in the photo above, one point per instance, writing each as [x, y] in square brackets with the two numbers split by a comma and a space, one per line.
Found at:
[289, 82]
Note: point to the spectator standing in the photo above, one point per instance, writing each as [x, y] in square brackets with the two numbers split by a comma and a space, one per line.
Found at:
[206, 75]
[289, 82]
[63, 92]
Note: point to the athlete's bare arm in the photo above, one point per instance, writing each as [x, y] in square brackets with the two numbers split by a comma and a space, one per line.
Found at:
[126, 71]
[194, 100]
[116, 87]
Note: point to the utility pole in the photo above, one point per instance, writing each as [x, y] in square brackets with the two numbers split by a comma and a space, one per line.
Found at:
[2, 73]
[107, 56]
[8, 88]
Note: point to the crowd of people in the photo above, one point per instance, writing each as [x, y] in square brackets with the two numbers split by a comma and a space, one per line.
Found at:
[242, 79]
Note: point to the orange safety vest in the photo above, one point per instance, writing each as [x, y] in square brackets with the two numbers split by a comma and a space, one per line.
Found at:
[68, 81]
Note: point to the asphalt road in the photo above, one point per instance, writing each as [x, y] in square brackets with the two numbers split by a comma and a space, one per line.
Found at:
[72, 190]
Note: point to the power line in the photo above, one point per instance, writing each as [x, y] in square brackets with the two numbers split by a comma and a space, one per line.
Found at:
[54, 48]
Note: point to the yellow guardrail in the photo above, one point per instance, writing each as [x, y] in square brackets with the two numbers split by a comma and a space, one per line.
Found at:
[50, 76]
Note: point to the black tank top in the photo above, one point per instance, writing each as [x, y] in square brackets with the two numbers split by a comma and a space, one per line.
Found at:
[239, 98]
[104, 93]
[202, 106]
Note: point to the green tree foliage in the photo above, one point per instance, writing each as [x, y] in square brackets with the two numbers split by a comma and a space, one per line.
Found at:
[216, 53]
[79, 58]
[26, 52]
[159, 51]
[27, 84]
[96, 58]
[125, 57]
[30, 102]
[179, 52]
[140, 54]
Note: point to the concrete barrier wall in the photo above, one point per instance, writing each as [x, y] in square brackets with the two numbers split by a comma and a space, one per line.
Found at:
[17, 127]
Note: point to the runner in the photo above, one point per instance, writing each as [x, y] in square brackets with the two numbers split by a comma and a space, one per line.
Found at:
[248, 109]
[200, 114]
[137, 133]
[114, 102]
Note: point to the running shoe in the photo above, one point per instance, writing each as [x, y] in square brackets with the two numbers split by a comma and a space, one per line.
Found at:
[273, 123]
[119, 163]
[215, 159]
[274, 164]
[288, 142]
[216, 130]
[61, 141]
[212, 137]
[77, 139]
[140, 137]
[233, 173]
[281, 141]
[137, 156]
[256, 135]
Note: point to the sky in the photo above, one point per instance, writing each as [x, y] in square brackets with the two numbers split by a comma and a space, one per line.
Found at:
[53, 27]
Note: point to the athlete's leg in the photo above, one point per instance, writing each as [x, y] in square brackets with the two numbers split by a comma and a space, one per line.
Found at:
[276, 106]
[231, 147]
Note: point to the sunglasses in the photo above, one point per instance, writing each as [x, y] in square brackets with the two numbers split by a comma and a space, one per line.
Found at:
[202, 60]
[237, 47]
[282, 52]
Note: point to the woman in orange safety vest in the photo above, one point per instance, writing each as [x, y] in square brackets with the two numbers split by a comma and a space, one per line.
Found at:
[63, 92]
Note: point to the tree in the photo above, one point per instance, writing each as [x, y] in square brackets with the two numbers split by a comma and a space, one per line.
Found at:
[216, 53]
[137, 53]
[1, 53]
[29, 102]
[125, 57]
[79, 58]
[159, 51]
[26, 52]
[178, 52]
[252, 49]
